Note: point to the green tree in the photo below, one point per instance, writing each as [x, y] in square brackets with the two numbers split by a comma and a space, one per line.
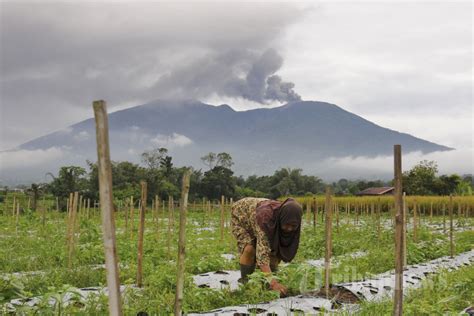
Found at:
[70, 179]
[420, 180]
[218, 181]
[224, 160]
[209, 160]
[152, 159]
[445, 185]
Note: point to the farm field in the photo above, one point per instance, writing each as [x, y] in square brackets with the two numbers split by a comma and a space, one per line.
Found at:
[41, 272]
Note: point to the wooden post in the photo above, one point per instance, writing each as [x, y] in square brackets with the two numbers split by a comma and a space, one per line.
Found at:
[14, 206]
[72, 231]
[132, 215]
[328, 237]
[451, 240]
[444, 218]
[405, 230]
[153, 219]
[315, 212]
[43, 212]
[106, 205]
[178, 302]
[141, 231]
[81, 205]
[222, 216]
[399, 231]
[157, 217]
[17, 215]
[164, 211]
[379, 228]
[168, 236]
[415, 222]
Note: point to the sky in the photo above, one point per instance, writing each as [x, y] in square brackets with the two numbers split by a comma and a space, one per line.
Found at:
[403, 65]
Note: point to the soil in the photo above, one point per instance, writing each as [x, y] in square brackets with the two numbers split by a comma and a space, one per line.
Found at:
[338, 294]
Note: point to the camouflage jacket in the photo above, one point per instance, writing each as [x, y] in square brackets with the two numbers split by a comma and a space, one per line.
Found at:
[246, 230]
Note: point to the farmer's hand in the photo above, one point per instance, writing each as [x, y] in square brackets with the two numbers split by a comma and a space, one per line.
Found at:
[276, 286]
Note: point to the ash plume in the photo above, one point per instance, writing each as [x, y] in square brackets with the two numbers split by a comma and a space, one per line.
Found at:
[234, 73]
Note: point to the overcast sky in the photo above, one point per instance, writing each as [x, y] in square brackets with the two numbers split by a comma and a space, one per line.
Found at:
[406, 66]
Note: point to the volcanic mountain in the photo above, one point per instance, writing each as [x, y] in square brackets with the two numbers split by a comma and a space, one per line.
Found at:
[297, 134]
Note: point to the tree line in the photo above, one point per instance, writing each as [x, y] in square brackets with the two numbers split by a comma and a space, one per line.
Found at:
[164, 178]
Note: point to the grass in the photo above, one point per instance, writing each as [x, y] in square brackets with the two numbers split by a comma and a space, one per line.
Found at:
[446, 293]
[34, 247]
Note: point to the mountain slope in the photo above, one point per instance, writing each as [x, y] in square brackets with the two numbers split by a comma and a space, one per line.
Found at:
[260, 140]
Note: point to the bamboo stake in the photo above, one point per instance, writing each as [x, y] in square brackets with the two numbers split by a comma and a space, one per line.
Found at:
[68, 216]
[5, 205]
[405, 229]
[444, 218]
[168, 236]
[43, 212]
[451, 240]
[141, 230]
[132, 216]
[315, 212]
[181, 244]
[308, 212]
[125, 215]
[81, 205]
[415, 237]
[157, 219]
[153, 219]
[222, 217]
[399, 231]
[379, 228]
[17, 215]
[328, 237]
[14, 206]
[72, 230]
[106, 203]
[88, 208]
[163, 211]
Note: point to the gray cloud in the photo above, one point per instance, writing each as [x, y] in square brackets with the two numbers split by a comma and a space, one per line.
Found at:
[58, 57]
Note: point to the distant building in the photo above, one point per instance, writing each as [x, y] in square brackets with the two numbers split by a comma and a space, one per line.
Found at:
[377, 191]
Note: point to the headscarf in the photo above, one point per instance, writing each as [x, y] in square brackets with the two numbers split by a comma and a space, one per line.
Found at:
[271, 216]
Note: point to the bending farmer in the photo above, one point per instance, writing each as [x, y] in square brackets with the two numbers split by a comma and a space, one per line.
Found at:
[267, 232]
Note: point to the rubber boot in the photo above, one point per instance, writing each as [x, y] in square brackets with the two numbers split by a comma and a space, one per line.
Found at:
[245, 271]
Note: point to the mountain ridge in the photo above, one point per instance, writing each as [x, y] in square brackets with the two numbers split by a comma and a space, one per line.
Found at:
[260, 140]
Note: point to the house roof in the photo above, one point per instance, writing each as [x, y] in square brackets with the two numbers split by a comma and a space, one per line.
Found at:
[376, 191]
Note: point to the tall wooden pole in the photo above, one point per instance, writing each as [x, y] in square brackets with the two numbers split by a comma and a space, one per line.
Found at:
[328, 234]
[141, 231]
[178, 302]
[399, 231]
[106, 203]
